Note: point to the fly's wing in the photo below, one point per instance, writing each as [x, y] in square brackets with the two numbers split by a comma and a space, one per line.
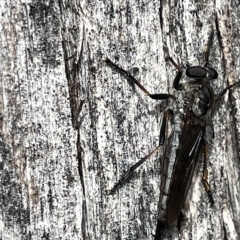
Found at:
[190, 145]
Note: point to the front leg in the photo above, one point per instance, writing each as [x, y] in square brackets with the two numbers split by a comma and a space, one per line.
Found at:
[179, 72]
[158, 96]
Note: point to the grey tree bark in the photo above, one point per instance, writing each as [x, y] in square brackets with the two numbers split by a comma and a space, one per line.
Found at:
[71, 126]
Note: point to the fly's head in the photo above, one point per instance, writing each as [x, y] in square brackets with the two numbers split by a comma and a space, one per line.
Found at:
[198, 74]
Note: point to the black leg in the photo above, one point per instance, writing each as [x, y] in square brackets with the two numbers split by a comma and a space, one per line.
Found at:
[209, 45]
[221, 94]
[140, 162]
[160, 96]
[179, 72]
[131, 170]
[177, 79]
[161, 226]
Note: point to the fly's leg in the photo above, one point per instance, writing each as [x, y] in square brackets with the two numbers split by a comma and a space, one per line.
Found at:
[205, 171]
[209, 45]
[177, 79]
[159, 96]
[205, 177]
[131, 170]
[140, 162]
[179, 72]
[221, 94]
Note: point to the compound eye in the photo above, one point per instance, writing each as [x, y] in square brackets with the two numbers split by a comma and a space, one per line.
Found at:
[212, 73]
[196, 72]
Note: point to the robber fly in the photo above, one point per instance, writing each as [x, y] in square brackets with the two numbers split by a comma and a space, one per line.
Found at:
[194, 104]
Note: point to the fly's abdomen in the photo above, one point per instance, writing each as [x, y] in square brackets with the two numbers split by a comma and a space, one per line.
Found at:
[167, 167]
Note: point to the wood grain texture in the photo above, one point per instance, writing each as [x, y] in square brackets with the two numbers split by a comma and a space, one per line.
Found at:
[71, 126]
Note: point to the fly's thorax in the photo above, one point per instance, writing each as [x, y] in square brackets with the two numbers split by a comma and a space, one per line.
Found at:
[195, 98]
[177, 104]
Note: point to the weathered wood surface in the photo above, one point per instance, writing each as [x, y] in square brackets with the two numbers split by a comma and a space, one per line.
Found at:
[70, 125]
